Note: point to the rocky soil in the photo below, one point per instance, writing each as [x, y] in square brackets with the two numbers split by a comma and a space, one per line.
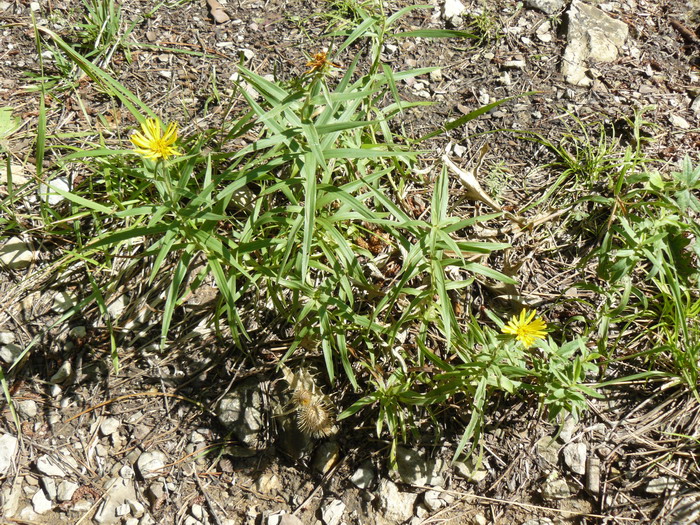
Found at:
[199, 434]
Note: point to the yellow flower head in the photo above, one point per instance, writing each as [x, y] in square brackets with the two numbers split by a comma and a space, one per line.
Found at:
[152, 143]
[526, 328]
[320, 63]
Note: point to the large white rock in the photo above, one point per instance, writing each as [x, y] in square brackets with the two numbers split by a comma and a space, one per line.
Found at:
[150, 463]
[10, 353]
[65, 490]
[48, 193]
[452, 9]
[592, 35]
[40, 503]
[8, 449]
[49, 466]
[119, 493]
[575, 457]
[396, 506]
[332, 512]
[16, 253]
[415, 469]
[546, 6]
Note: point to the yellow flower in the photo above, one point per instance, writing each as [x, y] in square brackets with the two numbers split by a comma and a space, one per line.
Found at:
[152, 143]
[320, 63]
[526, 328]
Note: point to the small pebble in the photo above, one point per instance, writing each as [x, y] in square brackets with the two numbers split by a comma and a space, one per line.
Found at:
[40, 503]
[109, 426]
[62, 373]
[16, 254]
[197, 511]
[49, 466]
[65, 490]
[27, 408]
[49, 487]
[150, 463]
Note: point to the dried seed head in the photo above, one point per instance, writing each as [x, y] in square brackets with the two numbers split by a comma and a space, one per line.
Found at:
[313, 416]
[313, 408]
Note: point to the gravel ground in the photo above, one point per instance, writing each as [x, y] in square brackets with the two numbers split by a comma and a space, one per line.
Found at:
[197, 435]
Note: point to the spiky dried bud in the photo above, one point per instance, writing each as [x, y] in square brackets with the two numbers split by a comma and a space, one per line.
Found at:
[313, 408]
[313, 416]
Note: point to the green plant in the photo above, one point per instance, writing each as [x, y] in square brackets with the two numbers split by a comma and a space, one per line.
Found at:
[485, 26]
[295, 210]
[649, 258]
[99, 34]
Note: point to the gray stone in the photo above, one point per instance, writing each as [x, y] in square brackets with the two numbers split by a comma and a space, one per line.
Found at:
[8, 449]
[65, 490]
[452, 9]
[127, 472]
[10, 498]
[568, 429]
[147, 520]
[117, 307]
[694, 107]
[10, 353]
[62, 373]
[267, 483]
[7, 338]
[539, 521]
[137, 508]
[240, 411]
[63, 302]
[556, 488]
[189, 520]
[131, 521]
[119, 492]
[432, 500]
[290, 519]
[109, 426]
[49, 466]
[575, 457]
[479, 519]
[363, 476]
[679, 122]
[40, 503]
[325, 457]
[17, 171]
[27, 408]
[197, 511]
[196, 437]
[16, 253]
[332, 512]
[78, 331]
[396, 506]
[150, 463]
[546, 6]
[48, 193]
[416, 470]
[593, 35]
[49, 486]
[663, 484]
[470, 470]
[548, 449]
[155, 493]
